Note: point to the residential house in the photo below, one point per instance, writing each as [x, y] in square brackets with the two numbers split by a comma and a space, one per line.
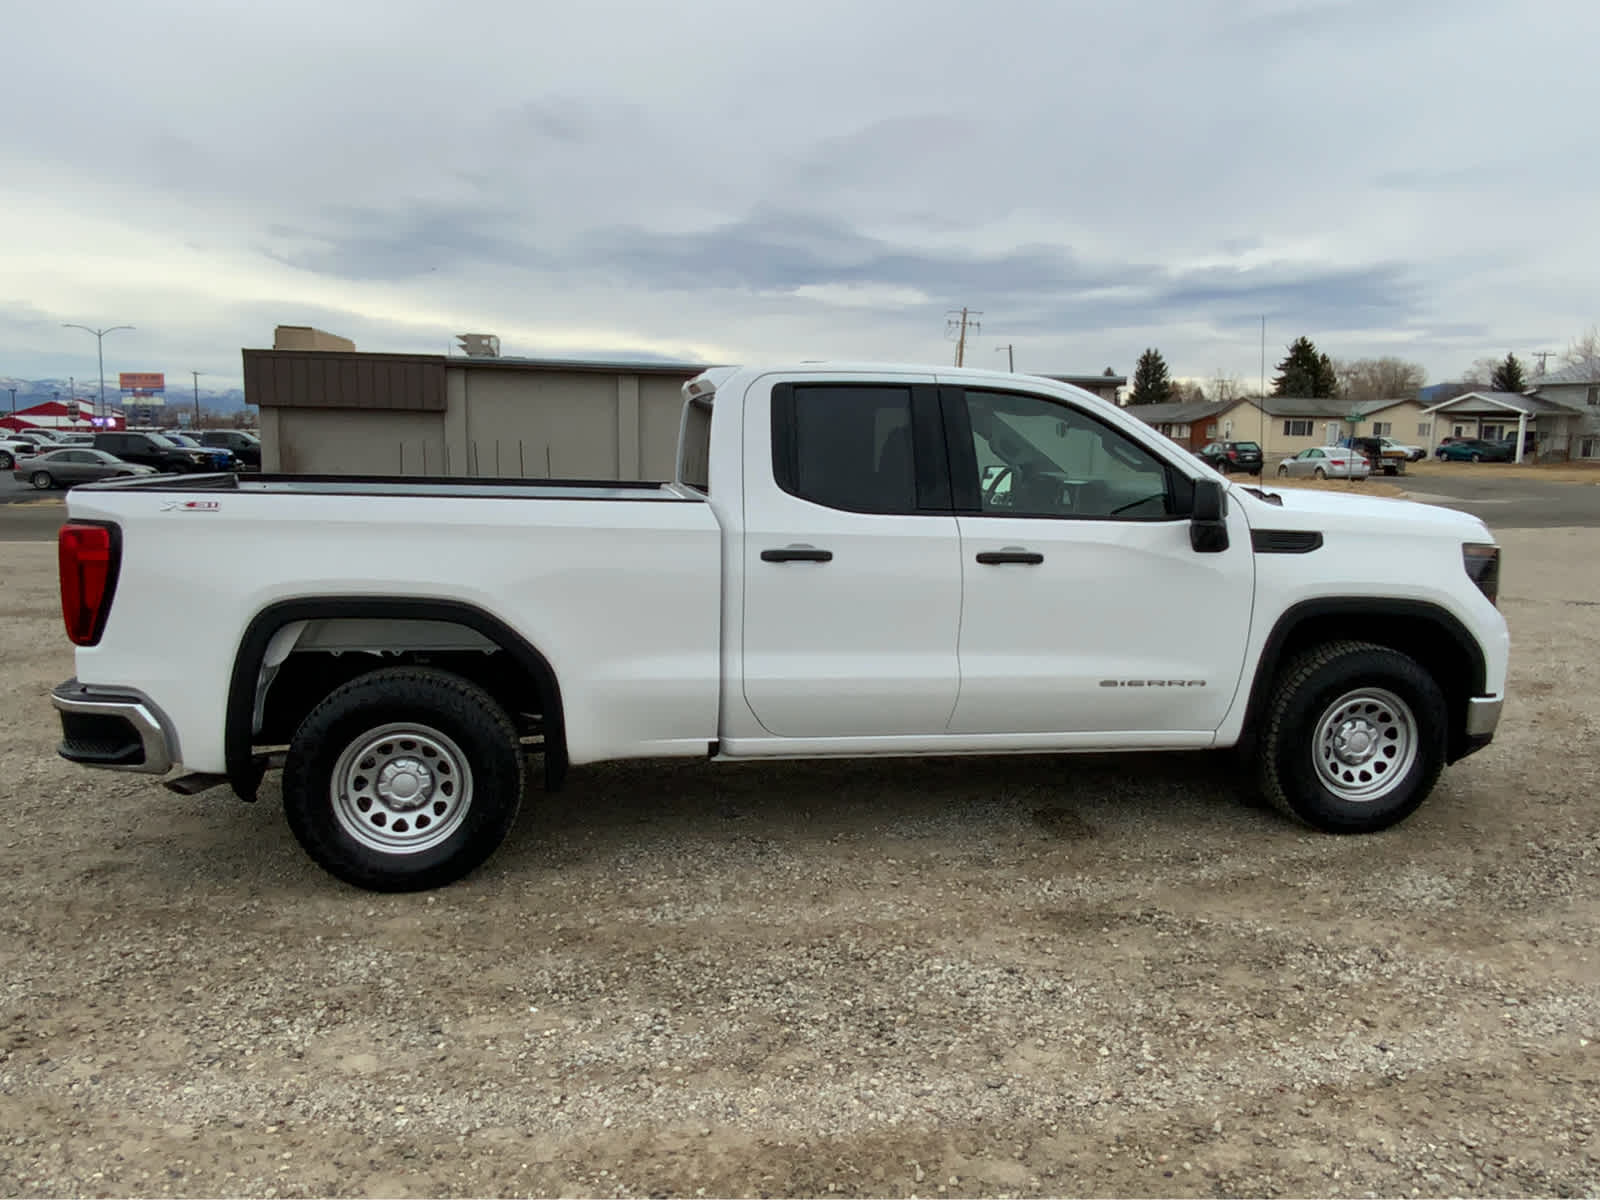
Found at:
[1555, 428]
[1576, 388]
[1297, 423]
[1192, 424]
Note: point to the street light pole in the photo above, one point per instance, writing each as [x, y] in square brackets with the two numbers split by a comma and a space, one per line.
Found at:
[196, 375]
[1011, 357]
[100, 349]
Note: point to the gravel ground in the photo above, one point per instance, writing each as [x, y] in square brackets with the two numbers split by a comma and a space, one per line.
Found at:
[1065, 975]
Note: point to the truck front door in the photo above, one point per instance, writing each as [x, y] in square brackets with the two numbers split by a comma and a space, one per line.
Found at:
[851, 559]
[1086, 609]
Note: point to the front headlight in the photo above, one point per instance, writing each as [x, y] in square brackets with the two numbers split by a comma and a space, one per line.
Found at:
[1482, 562]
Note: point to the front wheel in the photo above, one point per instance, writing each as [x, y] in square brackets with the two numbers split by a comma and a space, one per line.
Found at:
[1283, 472]
[1354, 738]
[403, 779]
[1476, 457]
[42, 480]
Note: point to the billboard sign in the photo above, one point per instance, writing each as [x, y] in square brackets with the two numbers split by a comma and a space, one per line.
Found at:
[142, 383]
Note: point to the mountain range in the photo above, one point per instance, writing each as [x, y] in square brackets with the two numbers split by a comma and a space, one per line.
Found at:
[38, 391]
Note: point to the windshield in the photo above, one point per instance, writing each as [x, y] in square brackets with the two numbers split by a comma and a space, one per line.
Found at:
[161, 439]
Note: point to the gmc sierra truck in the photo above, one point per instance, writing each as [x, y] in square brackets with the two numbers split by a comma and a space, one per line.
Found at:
[850, 561]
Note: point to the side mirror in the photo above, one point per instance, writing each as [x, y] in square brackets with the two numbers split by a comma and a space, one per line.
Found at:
[1208, 527]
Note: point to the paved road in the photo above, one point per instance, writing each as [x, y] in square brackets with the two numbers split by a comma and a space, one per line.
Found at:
[1510, 503]
[1501, 503]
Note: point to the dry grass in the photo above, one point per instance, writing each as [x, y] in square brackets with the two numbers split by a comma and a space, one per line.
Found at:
[1358, 487]
[1544, 472]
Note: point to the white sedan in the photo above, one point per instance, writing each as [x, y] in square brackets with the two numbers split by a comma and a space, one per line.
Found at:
[1326, 462]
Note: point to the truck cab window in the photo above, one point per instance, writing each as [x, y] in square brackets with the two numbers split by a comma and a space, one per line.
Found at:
[1040, 458]
[845, 447]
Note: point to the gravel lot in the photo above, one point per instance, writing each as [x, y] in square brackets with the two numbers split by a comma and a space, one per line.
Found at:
[1096, 976]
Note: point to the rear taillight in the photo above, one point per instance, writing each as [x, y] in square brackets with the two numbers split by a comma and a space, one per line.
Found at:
[88, 556]
[1234, 455]
[1482, 562]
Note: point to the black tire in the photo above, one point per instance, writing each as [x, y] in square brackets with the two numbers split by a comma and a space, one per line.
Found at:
[409, 717]
[1320, 473]
[1311, 696]
[1476, 457]
[6, 461]
[1283, 471]
[42, 480]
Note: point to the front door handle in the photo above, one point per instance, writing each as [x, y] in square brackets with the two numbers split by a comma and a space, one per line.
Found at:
[1011, 554]
[797, 554]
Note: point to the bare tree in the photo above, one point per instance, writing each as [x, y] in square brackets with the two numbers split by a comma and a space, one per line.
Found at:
[1481, 373]
[1381, 378]
[1584, 348]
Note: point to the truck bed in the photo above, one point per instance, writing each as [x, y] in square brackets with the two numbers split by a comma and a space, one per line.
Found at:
[618, 585]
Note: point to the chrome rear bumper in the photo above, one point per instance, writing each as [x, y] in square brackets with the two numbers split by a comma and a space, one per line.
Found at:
[115, 728]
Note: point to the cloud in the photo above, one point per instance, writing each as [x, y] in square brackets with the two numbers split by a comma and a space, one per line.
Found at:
[724, 181]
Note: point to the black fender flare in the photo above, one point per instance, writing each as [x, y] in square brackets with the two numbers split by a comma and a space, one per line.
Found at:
[245, 768]
[1363, 608]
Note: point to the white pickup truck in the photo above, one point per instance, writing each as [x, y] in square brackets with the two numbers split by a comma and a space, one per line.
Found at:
[851, 561]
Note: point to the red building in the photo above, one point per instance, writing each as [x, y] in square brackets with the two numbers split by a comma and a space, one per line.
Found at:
[61, 414]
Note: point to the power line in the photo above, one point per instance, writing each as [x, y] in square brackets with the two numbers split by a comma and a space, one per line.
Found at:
[959, 323]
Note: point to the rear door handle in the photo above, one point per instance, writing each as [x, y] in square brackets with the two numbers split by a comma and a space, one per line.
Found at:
[797, 554]
[1011, 554]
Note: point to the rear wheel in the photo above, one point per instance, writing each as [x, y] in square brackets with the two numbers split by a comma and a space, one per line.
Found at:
[42, 480]
[1320, 473]
[6, 461]
[1354, 738]
[403, 779]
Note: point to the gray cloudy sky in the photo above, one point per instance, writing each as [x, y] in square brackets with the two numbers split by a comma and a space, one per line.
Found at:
[740, 179]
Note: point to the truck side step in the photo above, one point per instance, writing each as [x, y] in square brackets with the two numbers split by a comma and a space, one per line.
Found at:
[189, 785]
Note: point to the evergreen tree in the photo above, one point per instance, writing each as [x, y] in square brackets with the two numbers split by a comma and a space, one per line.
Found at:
[1151, 382]
[1507, 376]
[1306, 372]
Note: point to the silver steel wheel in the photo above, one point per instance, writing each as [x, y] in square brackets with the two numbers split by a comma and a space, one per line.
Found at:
[1366, 744]
[401, 788]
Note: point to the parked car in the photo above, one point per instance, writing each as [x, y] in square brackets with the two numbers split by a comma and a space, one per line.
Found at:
[1477, 450]
[153, 450]
[75, 439]
[222, 458]
[1326, 462]
[1412, 453]
[825, 576]
[246, 446]
[21, 443]
[63, 468]
[1227, 457]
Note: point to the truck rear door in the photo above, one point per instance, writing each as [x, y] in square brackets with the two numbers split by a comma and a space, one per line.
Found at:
[852, 567]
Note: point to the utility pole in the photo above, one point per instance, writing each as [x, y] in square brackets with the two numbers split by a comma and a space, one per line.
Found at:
[1541, 355]
[967, 319]
[1261, 406]
[100, 350]
[196, 375]
[1011, 358]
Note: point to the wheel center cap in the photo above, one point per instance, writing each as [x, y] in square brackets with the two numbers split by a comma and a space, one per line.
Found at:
[1355, 742]
[405, 783]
